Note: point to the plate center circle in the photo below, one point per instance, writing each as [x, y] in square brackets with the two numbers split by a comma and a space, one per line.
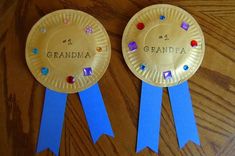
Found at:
[164, 45]
[69, 47]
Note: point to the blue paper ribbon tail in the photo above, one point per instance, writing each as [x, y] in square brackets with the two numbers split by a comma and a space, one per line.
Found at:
[96, 135]
[149, 118]
[95, 112]
[182, 109]
[52, 121]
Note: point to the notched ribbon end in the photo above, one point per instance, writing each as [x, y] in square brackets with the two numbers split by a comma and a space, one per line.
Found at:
[154, 149]
[110, 134]
[195, 141]
[39, 150]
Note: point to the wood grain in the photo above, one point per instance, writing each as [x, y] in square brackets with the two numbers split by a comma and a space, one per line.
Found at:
[212, 87]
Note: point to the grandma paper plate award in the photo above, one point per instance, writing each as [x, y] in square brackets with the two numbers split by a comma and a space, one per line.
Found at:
[163, 45]
[68, 51]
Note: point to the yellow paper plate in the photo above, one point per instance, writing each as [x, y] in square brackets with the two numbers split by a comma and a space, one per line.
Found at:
[68, 51]
[163, 45]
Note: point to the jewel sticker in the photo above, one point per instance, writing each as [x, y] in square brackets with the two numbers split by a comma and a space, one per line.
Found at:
[185, 67]
[194, 43]
[185, 26]
[99, 49]
[43, 30]
[35, 50]
[142, 66]
[167, 75]
[44, 70]
[140, 26]
[89, 30]
[162, 17]
[87, 71]
[132, 46]
[70, 79]
[66, 21]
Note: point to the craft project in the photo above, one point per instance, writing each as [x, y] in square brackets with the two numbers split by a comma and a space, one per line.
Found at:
[68, 51]
[163, 45]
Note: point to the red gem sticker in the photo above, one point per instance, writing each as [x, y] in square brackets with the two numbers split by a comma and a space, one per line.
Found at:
[193, 43]
[70, 79]
[140, 26]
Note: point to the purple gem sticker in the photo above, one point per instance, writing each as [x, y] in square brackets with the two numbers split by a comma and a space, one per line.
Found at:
[87, 71]
[132, 46]
[185, 26]
[167, 75]
[89, 30]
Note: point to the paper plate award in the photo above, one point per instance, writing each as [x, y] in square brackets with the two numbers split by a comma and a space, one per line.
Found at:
[163, 45]
[68, 51]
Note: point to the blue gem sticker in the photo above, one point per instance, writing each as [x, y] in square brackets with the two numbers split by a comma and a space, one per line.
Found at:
[162, 17]
[87, 71]
[185, 67]
[35, 50]
[44, 70]
[142, 66]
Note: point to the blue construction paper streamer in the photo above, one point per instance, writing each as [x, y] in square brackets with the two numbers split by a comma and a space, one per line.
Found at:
[95, 111]
[182, 109]
[149, 118]
[52, 121]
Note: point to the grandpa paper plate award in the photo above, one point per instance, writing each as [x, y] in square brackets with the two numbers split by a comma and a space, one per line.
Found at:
[68, 51]
[163, 45]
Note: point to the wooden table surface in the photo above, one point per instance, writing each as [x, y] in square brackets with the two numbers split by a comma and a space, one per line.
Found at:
[212, 87]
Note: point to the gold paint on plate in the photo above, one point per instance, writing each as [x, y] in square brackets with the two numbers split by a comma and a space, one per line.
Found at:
[64, 43]
[163, 45]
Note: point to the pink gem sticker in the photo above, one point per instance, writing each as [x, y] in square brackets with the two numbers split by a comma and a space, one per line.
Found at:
[66, 21]
[89, 30]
